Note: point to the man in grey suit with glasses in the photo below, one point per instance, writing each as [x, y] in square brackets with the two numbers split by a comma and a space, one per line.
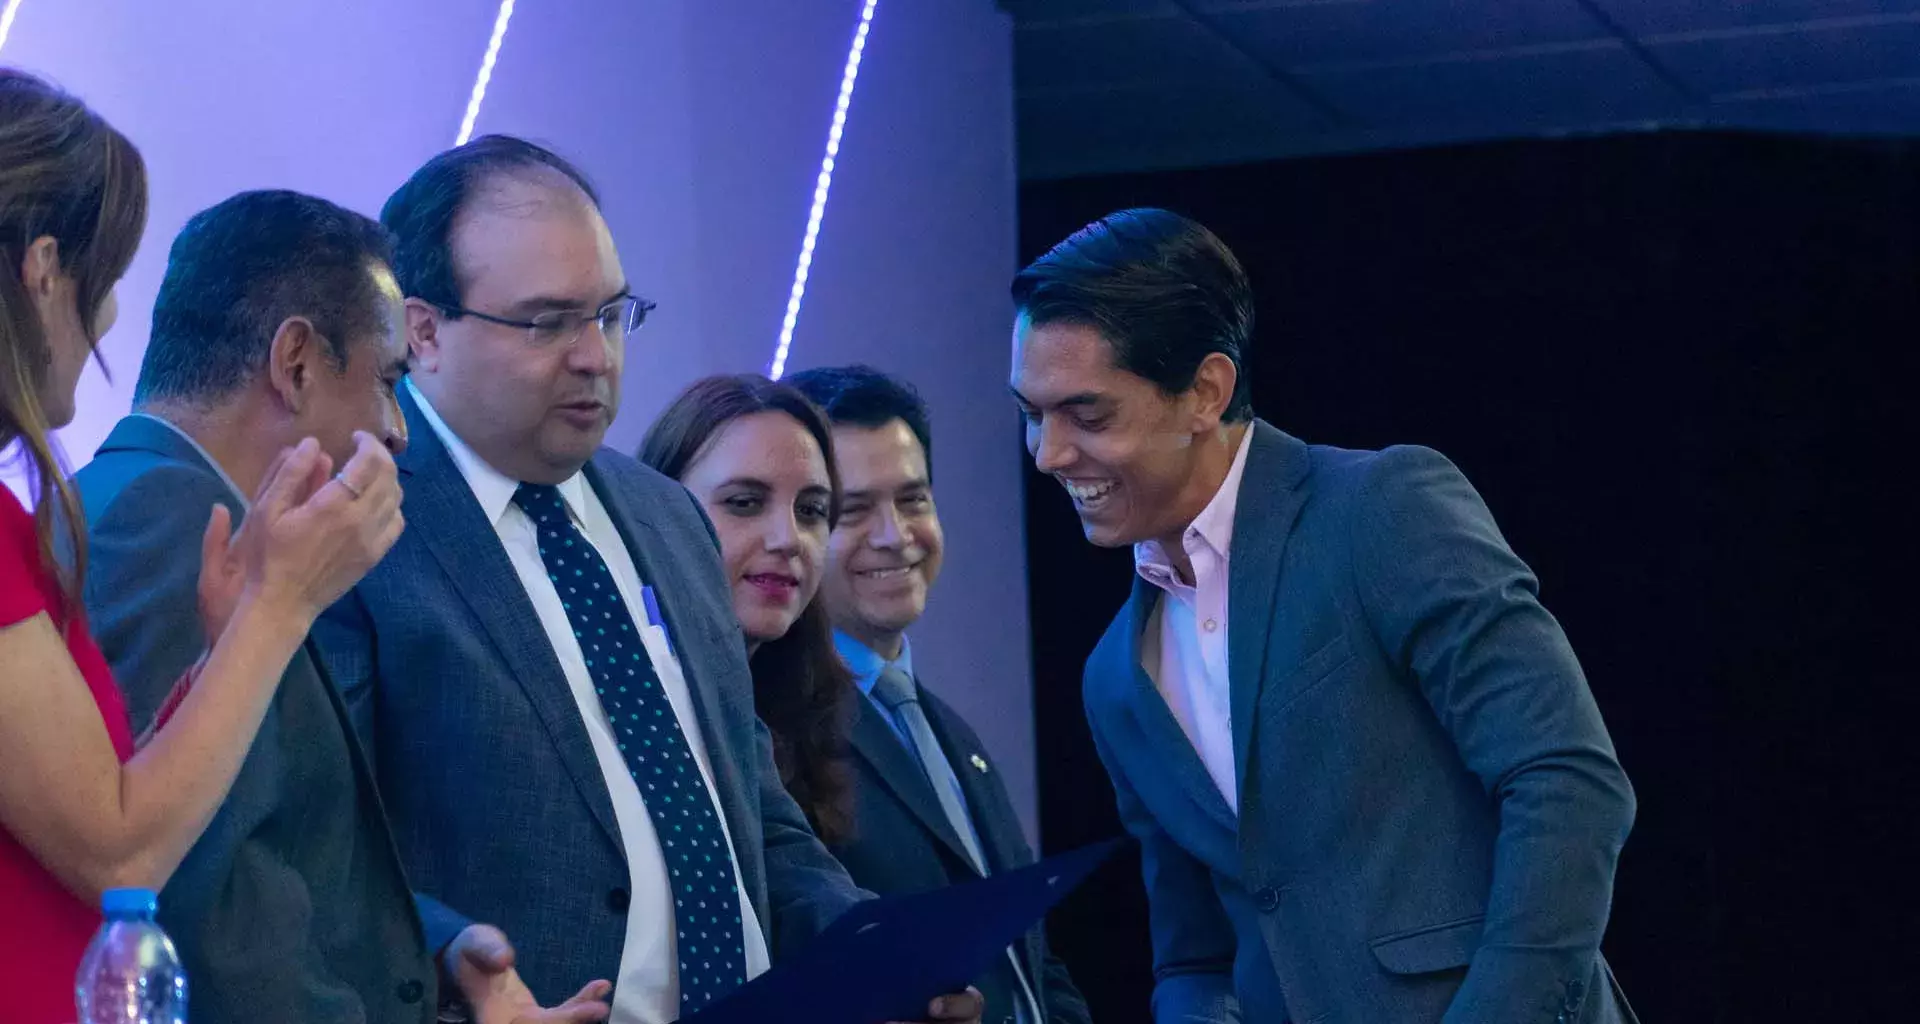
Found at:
[546, 666]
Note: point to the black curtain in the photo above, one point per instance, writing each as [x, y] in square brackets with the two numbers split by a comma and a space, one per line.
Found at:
[1681, 369]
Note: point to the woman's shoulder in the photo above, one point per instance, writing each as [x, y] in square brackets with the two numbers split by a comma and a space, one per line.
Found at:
[23, 579]
[12, 513]
[18, 535]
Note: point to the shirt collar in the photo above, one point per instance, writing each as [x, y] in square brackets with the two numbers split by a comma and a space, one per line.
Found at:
[204, 454]
[866, 664]
[1212, 528]
[492, 488]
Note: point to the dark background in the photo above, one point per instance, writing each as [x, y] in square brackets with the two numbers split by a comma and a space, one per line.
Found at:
[1680, 367]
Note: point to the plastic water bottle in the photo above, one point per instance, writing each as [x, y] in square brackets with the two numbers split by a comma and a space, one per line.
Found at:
[130, 974]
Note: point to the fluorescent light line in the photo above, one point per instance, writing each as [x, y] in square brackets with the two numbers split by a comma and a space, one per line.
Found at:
[6, 20]
[821, 186]
[486, 71]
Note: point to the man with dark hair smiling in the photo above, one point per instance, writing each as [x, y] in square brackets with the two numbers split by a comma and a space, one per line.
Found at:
[928, 809]
[1366, 771]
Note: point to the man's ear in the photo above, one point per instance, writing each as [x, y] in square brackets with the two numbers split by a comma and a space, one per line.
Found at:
[423, 336]
[293, 360]
[1212, 391]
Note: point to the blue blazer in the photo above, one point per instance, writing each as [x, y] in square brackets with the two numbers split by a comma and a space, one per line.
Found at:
[902, 842]
[497, 801]
[293, 898]
[1430, 806]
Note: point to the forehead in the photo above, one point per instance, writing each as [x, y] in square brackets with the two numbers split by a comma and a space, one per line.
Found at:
[768, 446]
[872, 458]
[524, 236]
[1057, 361]
[388, 344]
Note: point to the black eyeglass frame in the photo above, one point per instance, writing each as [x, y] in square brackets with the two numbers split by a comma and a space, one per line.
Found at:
[637, 318]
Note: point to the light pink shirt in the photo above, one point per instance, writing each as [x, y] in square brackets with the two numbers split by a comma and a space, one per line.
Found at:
[1184, 646]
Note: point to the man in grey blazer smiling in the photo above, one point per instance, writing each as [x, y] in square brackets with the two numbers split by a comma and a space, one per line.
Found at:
[1368, 777]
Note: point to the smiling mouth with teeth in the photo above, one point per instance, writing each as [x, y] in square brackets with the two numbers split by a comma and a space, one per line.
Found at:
[1089, 494]
[889, 573]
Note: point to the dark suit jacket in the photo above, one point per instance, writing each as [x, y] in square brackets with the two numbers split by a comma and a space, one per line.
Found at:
[489, 776]
[1430, 807]
[293, 902]
[902, 843]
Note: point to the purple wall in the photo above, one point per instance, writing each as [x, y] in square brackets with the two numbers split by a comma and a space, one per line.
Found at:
[309, 104]
[703, 123]
[911, 275]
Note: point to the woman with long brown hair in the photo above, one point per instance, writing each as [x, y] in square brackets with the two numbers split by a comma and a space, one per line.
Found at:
[82, 810]
[759, 458]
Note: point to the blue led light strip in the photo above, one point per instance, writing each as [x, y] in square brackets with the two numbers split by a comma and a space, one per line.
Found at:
[821, 186]
[6, 20]
[486, 72]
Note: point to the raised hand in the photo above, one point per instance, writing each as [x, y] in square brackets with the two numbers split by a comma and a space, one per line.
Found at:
[223, 575]
[311, 536]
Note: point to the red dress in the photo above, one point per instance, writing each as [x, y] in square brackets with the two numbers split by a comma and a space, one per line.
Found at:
[44, 928]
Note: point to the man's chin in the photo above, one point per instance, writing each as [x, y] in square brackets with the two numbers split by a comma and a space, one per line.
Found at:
[892, 619]
[1105, 535]
[574, 450]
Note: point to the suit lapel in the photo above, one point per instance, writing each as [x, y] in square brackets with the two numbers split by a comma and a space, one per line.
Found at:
[362, 773]
[654, 560]
[877, 744]
[1272, 489]
[1168, 741]
[476, 565]
[991, 820]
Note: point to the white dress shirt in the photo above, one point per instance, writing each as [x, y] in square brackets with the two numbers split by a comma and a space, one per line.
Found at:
[1183, 647]
[647, 990]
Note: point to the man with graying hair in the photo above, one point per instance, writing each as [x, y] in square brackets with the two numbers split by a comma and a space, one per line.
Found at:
[278, 319]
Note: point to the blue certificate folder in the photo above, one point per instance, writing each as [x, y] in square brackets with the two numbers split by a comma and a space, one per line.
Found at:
[886, 959]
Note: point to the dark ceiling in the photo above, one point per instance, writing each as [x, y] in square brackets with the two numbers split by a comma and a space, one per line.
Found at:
[1122, 85]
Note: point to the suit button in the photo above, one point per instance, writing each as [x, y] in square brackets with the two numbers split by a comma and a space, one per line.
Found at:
[411, 991]
[1267, 898]
[618, 901]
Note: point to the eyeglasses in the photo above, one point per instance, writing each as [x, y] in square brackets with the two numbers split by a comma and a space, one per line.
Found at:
[616, 319]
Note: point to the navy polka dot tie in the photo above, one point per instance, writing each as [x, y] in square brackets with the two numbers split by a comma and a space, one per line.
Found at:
[706, 900]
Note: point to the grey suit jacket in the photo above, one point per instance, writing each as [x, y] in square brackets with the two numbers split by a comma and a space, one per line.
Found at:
[491, 782]
[293, 902]
[1430, 806]
[902, 842]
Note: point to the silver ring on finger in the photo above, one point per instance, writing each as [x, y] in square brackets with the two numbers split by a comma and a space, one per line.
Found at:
[342, 481]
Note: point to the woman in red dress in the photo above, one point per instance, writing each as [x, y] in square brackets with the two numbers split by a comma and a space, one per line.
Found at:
[82, 807]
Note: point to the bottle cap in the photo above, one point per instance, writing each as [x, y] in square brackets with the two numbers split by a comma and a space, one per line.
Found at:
[129, 902]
